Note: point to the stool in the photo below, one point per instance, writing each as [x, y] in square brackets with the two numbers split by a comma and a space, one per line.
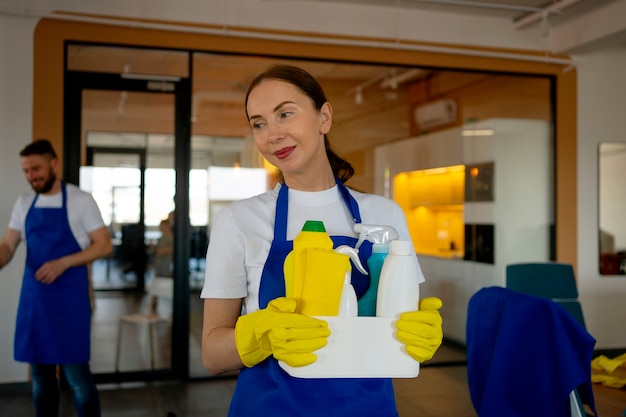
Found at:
[149, 319]
[160, 287]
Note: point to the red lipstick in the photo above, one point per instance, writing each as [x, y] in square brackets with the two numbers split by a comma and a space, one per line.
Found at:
[284, 152]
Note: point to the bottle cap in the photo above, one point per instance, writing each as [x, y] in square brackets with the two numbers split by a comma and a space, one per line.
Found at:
[314, 226]
[400, 247]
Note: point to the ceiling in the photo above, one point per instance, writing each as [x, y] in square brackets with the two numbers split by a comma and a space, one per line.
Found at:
[502, 8]
[517, 11]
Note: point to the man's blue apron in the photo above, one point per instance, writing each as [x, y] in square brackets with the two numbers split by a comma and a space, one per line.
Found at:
[53, 320]
[267, 390]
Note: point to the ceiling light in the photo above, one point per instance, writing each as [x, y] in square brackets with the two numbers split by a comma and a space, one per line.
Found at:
[395, 80]
[150, 77]
[477, 132]
[393, 83]
[358, 96]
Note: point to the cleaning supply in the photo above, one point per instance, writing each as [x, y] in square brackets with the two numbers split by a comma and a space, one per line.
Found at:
[379, 236]
[398, 289]
[277, 331]
[348, 305]
[314, 272]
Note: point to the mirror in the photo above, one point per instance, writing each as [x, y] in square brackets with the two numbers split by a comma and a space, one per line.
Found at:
[611, 207]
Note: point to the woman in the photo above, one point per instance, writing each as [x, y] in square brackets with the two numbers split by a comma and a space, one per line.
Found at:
[248, 323]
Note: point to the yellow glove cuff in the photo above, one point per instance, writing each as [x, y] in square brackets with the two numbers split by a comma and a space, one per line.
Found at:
[247, 346]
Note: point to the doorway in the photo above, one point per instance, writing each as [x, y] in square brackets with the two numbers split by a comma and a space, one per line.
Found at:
[133, 173]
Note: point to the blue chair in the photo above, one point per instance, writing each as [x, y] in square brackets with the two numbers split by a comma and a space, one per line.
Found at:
[552, 280]
[557, 282]
[526, 356]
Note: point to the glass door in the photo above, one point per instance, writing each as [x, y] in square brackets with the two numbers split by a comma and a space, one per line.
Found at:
[116, 179]
[127, 142]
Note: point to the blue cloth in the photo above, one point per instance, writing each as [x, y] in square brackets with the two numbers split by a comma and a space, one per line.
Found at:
[53, 320]
[266, 389]
[525, 354]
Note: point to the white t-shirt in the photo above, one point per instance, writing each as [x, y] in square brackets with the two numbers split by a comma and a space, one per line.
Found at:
[242, 233]
[82, 212]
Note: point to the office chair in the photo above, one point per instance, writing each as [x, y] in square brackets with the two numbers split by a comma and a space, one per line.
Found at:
[557, 282]
[525, 356]
[552, 280]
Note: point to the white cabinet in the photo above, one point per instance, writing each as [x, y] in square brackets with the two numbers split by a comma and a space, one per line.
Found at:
[439, 149]
[521, 211]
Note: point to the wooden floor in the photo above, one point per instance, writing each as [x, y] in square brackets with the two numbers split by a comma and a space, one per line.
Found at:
[440, 390]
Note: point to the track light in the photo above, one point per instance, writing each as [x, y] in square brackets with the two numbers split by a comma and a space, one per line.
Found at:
[394, 80]
[358, 96]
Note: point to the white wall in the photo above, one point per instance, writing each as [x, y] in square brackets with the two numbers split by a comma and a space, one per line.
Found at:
[601, 96]
[16, 92]
[601, 102]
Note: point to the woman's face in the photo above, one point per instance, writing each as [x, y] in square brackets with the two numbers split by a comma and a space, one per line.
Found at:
[288, 130]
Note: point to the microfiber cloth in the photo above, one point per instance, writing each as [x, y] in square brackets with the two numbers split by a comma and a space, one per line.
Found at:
[525, 354]
[603, 366]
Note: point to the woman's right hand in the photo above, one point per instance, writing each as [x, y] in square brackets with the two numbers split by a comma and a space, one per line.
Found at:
[277, 330]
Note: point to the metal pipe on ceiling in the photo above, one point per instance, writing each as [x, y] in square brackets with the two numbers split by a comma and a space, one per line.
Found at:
[544, 14]
[484, 5]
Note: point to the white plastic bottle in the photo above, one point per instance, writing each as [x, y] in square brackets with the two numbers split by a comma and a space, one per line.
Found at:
[398, 289]
[348, 306]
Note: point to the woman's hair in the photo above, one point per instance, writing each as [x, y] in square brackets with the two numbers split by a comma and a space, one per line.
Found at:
[309, 86]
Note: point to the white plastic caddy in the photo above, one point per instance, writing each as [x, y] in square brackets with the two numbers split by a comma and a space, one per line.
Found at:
[359, 347]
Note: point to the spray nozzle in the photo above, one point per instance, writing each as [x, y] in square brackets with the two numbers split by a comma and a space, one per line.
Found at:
[375, 233]
[354, 256]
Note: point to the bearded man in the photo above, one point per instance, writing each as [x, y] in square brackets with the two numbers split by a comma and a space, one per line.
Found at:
[64, 232]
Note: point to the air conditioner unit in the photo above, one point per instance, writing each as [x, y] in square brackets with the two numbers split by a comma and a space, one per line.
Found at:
[435, 114]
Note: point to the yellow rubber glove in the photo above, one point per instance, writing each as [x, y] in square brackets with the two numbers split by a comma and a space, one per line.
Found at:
[421, 331]
[277, 330]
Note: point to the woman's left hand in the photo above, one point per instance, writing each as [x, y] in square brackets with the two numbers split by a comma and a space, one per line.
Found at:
[421, 331]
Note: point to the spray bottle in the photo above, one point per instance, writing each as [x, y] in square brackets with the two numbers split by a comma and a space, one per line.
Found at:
[348, 305]
[380, 236]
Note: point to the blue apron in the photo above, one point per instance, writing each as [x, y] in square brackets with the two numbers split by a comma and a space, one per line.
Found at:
[53, 320]
[266, 389]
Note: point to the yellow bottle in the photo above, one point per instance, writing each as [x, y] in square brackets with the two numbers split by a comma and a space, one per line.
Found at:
[314, 273]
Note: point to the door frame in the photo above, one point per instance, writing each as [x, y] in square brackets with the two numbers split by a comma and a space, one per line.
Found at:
[74, 83]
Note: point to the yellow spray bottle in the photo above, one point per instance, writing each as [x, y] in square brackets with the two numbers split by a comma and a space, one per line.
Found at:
[314, 272]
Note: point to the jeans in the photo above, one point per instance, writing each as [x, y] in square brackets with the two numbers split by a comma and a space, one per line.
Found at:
[46, 393]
